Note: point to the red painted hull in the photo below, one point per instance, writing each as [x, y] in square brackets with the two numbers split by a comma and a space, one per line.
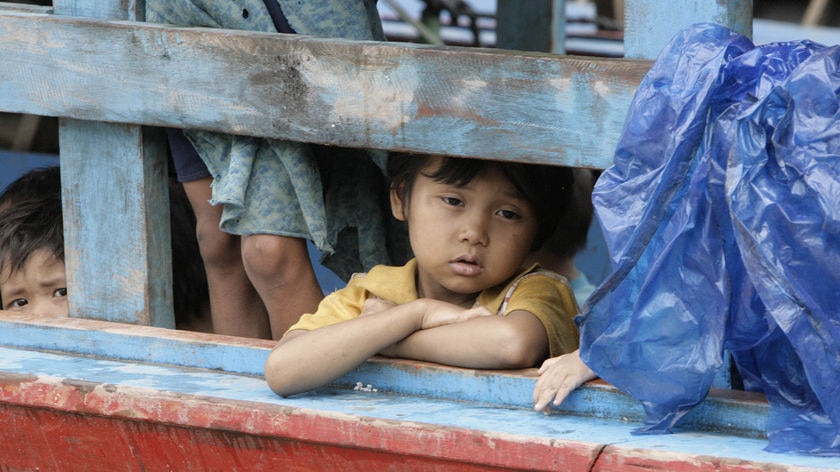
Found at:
[54, 425]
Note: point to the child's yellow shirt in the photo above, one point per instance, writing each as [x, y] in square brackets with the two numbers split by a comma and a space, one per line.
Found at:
[544, 293]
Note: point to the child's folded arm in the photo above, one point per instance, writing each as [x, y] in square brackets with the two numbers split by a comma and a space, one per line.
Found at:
[517, 340]
[303, 360]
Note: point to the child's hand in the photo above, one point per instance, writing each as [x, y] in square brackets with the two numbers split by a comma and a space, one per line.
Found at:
[375, 305]
[558, 377]
[438, 313]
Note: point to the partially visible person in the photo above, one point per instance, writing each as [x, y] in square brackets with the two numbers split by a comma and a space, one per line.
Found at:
[32, 268]
[465, 299]
[32, 274]
[236, 308]
[258, 201]
[560, 375]
[558, 253]
[190, 290]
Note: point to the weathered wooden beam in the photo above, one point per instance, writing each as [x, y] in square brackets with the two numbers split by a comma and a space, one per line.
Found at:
[69, 387]
[650, 24]
[738, 413]
[532, 107]
[115, 202]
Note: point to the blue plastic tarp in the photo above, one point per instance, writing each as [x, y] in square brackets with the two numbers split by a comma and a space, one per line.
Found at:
[721, 213]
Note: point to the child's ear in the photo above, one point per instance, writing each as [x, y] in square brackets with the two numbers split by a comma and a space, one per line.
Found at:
[397, 208]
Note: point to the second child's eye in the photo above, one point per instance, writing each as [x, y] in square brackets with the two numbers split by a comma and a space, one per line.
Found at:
[452, 201]
[60, 292]
[17, 303]
[508, 214]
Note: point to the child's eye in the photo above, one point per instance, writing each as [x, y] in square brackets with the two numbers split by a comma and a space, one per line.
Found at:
[60, 292]
[17, 303]
[452, 201]
[509, 214]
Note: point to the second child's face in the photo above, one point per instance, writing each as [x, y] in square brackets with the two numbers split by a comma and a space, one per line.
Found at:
[39, 288]
[466, 239]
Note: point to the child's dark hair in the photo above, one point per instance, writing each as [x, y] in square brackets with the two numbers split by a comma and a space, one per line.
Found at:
[570, 237]
[30, 218]
[546, 188]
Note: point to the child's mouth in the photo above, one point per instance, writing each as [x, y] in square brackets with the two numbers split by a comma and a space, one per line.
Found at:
[466, 267]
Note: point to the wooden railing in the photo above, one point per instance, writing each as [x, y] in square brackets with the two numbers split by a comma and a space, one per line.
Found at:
[111, 79]
[114, 81]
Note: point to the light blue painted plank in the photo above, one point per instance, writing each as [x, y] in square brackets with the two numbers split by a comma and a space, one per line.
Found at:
[744, 415]
[116, 223]
[116, 212]
[533, 107]
[650, 24]
[480, 417]
[135, 343]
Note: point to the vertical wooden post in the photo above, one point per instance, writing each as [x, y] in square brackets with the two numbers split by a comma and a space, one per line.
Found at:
[116, 215]
[650, 24]
[538, 26]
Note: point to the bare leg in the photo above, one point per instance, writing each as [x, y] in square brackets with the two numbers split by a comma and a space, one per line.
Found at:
[235, 305]
[280, 269]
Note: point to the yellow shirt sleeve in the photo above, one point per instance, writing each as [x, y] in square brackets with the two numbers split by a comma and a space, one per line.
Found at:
[341, 305]
[551, 300]
[391, 283]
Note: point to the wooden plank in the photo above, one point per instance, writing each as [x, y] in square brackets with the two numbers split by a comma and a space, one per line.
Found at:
[739, 413]
[650, 24]
[540, 27]
[532, 107]
[116, 222]
[116, 211]
[75, 407]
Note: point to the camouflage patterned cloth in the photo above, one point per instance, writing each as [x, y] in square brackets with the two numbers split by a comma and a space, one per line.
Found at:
[288, 188]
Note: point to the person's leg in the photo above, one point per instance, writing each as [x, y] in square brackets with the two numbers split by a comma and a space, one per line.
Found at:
[235, 306]
[280, 269]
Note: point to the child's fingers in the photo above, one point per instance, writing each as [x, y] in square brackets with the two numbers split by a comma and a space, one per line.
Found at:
[542, 398]
[551, 392]
[548, 363]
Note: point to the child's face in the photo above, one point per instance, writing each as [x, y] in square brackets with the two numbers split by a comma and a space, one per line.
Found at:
[39, 288]
[466, 239]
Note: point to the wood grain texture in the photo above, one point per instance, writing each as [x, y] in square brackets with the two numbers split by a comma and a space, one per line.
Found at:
[532, 107]
[650, 24]
[116, 220]
[116, 205]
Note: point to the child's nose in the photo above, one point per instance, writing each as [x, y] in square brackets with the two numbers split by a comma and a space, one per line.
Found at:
[474, 230]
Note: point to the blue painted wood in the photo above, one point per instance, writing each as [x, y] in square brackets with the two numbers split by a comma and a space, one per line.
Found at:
[116, 212]
[650, 24]
[367, 406]
[527, 106]
[498, 104]
[735, 413]
[116, 223]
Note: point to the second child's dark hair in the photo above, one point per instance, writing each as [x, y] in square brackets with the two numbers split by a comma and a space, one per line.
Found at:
[30, 218]
[546, 188]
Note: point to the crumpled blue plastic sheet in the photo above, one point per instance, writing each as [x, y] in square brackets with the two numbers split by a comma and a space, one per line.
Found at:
[721, 213]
